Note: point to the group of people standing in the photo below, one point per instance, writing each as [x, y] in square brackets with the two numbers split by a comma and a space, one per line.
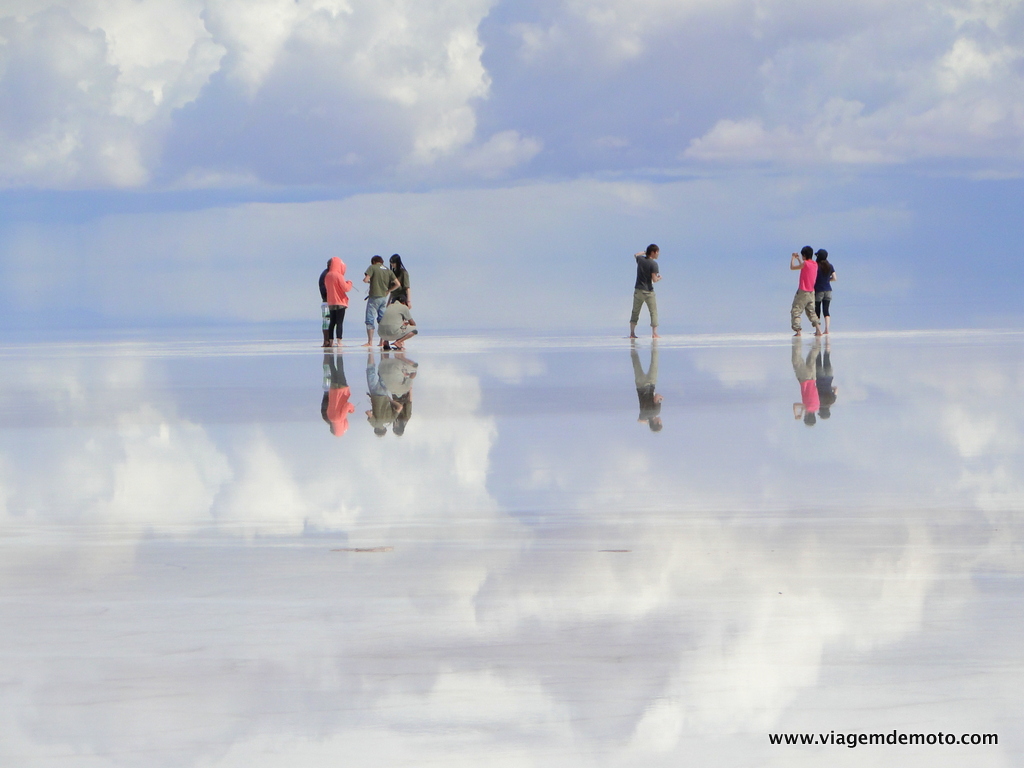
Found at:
[813, 295]
[814, 292]
[388, 302]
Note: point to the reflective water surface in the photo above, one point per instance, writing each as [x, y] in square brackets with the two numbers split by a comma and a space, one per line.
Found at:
[534, 553]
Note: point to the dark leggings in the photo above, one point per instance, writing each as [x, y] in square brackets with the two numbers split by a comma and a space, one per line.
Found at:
[821, 307]
[337, 315]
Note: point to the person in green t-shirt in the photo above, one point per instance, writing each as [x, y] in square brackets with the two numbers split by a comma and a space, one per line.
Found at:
[382, 281]
[397, 325]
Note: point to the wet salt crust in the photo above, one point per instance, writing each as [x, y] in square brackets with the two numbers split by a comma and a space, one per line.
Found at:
[195, 571]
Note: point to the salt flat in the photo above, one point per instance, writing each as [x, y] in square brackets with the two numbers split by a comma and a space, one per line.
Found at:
[207, 561]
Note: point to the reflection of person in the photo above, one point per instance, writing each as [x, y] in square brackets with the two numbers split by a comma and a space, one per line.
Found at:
[397, 325]
[337, 288]
[823, 288]
[823, 382]
[803, 301]
[335, 406]
[382, 281]
[402, 275]
[806, 375]
[397, 374]
[650, 403]
[383, 407]
[647, 275]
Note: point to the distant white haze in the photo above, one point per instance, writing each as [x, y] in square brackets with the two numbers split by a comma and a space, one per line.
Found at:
[195, 162]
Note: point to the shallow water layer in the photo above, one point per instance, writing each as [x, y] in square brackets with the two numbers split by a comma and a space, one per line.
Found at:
[511, 552]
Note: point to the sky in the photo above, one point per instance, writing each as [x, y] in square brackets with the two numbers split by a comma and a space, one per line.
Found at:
[187, 163]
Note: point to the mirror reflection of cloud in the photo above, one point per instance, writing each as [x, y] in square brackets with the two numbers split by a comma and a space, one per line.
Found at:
[378, 654]
[121, 454]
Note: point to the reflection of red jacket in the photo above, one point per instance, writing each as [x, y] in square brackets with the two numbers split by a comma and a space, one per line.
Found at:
[809, 394]
[338, 409]
[337, 286]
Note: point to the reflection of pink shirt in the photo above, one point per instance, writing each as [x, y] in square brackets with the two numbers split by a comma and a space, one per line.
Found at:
[338, 409]
[808, 274]
[809, 394]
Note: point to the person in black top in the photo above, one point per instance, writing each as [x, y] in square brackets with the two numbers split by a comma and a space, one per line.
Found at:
[323, 306]
[402, 292]
[650, 403]
[823, 287]
[647, 275]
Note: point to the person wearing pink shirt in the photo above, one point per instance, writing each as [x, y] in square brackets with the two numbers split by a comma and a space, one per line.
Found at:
[804, 299]
[337, 288]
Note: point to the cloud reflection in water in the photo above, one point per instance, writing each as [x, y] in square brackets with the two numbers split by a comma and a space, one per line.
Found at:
[171, 574]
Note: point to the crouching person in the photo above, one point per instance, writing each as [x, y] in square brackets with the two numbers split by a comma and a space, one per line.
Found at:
[397, 325]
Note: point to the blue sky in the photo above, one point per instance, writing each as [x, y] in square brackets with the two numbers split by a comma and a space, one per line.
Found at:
[182, 162]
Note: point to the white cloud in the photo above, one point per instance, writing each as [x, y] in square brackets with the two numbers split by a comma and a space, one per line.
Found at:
[867, 94]
[203, 92]
[502, 152]
[621, 29]
[89, 90]
[780, 82]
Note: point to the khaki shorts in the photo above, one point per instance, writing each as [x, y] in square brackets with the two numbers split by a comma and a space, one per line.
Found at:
[640, 298]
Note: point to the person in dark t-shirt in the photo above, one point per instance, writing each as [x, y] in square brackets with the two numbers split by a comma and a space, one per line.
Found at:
[647, 275]
[823, 288]
[382, 282]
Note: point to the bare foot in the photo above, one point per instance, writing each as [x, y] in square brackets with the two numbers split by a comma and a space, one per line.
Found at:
[655, 336]
[796, 334]
[633, 336]
[367, 344]
[817, 333]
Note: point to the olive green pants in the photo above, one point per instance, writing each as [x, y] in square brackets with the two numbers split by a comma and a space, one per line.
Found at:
[639, 299]
[803, 302]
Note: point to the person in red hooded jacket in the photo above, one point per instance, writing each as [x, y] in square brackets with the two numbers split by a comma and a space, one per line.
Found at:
[337, 299]
[335, 406]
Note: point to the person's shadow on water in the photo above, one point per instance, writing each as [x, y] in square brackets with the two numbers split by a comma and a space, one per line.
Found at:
[335, 406]
[397, 374]
[646, 382]
[823, 382]
[806, 376]
[384, 407]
